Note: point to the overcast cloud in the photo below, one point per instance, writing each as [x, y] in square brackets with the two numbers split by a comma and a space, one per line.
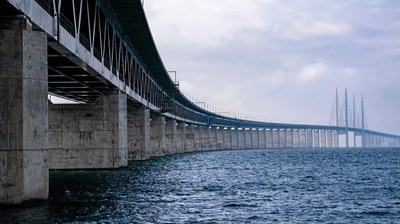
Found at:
[284, 59]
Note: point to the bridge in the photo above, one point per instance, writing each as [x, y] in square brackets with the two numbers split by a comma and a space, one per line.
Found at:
[101, 54]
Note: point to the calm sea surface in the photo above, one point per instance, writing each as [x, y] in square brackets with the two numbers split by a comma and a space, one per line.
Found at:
[248, 186]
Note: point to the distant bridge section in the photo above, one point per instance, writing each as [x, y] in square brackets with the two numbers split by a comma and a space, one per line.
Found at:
[102, 55]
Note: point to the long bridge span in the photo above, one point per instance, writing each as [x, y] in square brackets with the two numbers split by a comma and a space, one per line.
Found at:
[101, 54]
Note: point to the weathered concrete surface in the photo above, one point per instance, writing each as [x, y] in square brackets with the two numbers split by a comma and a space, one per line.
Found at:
[242, 138]
[335, 139]
[303, 138]
[190, 138]
[158, 136]
[263, 138]
[181, 137]
[138, 133]
[255, 139]
[296, 138]
[282, 138]
[248, 140]
[206, 142]
[323, 138]
[170, 130]
[309, 138]
[235, 138]
[269, 134]
[329, 139]
[198, 137]
[213, 138]
[316, 139]
[220, 138]
[228, 138]
[275, 139]
[289, 138]
[23, 116]
[89, 136]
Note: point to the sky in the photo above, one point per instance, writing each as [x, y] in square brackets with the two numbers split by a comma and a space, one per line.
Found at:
[282, 60]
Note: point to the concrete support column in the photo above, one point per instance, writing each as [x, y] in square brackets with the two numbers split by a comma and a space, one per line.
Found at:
[235, 138]
[282, 138]
[303, 138]
[255, 142]
[335, 139]
[248, 138]
[23, 116]
[181, 137]
[263, 138]
[198, 136]
[89, 136]
[242, 138]
[138, 133]
[214, 138]
[329, 139]
[269, 138]
[289, 138]
[190, 138]
[323, 138]
[228, 138]
[158, 136]
[316, 139]
[207, 138]
[170, 135]
[221, 138]
[309, 136]
[296, 137]
[275, 138]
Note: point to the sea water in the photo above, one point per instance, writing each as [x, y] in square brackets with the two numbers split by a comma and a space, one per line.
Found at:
[242, 186]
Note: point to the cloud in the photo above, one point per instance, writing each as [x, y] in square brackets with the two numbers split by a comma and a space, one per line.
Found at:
[312, 72]
[205, 24]
[303, 29]
[283, 59]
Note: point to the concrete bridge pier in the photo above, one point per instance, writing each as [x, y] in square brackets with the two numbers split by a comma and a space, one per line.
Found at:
[181, 137]
[242, 138]
[138, 133]
[269, 138]
[309, 138]
[255, 138]
[335, 140]
[23, 115]
[316, 139]
[263, 138]
[228, 138]
[289, 138]
[190, 138]
[213, 138]
[282, 138]
[235, 138]
[158, 136]
[89, 136]
[303, 138]
[170, 136]
[296, 138]
[329, 139]
[323, 138]
[275, 138]
[207, 138]
[221, 138]
[247, 138]
[198, 137]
